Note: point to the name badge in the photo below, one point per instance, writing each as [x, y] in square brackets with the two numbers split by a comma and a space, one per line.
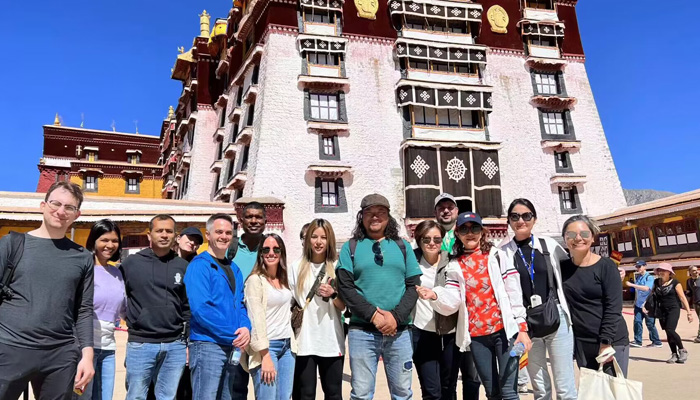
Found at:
[535, 301]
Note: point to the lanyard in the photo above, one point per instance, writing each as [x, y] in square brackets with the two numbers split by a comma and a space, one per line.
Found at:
[530, 266]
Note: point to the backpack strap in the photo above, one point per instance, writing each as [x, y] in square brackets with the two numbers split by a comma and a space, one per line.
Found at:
[353, 246]
[399, 242]
[232, 248]
[548, 261]
[16, 252]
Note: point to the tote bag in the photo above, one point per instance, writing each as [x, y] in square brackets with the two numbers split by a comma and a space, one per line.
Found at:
[597, 385]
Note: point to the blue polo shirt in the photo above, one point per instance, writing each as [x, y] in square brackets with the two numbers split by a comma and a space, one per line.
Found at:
[641, 296]
[245, 258]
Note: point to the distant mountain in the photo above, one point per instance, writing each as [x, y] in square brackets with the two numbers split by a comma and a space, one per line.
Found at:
[638, 196]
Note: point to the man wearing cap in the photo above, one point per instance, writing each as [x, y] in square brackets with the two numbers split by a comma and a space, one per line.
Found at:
[188, 241]
[446, 212]
[377, 279]
[642, 286]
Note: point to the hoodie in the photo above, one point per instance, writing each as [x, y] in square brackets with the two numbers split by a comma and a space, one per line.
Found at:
[157, 308]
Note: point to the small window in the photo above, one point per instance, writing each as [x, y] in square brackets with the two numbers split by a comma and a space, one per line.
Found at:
[91, 155]
[415, 24]
[319, 16]
[458, 27]
[569, 200]
[546, 83]
[448, 117]
[239, 96]
[440, 66]
[438, 26]
[553, 123]
[467, 69]
[324, 106]
[133, 158]
[90, 183]
[329, 194]
[328, 146]
[562, 160]
[324, 59]
[256, 75]
[543, 41]
[132, 185]
[244, 158]
[222, 118]
[251, 115]
[422, 65]
[539, 4]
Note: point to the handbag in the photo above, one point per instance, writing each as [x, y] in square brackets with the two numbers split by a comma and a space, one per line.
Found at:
[652, 304]
[597, 385]
[297, 310]
[544, 320]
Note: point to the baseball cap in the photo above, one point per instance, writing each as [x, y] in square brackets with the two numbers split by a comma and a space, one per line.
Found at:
[640, 263]
[444, 196]
[374, 200]
[472, 217]
[192, 231]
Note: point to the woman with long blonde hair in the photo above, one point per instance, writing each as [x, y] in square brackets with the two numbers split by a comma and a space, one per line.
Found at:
[321, 341]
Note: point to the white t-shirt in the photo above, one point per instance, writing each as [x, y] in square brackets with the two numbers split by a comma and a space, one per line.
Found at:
[279, 313]
[424, 317]
[321, 331]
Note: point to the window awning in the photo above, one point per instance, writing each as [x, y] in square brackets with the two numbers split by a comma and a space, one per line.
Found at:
[443, 96]
[567, 179]
[329, 171]
[542, 28]
[331, 5]
[437, 9]
[321, 44]
[440, 52]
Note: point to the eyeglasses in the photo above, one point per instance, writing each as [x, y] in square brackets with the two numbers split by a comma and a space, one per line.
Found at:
[464, 229]
[378, 255]
[275, 250]
[55, 205]
[427, 240]
[570, 235]
[527, 216]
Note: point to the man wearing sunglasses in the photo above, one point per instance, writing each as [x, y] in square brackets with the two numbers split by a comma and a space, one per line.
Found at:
[446, 212]
[51, 305]
[377, 279]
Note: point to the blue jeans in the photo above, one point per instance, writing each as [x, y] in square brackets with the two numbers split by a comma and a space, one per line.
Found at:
[212, 376]
[101, 387]
[639, 316]
[497, 369]
[560, 348]
[283, 360]
[365, 348]
[161, 363]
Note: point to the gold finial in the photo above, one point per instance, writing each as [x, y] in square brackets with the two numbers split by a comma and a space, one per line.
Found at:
[204, 21]
[57, 121]
[82, 120]
[114, 126]
[181, 49]
[171, 113]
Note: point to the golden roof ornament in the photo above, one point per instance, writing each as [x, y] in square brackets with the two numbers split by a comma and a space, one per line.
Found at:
[498, 18]
[181, 49]
[171, 113]
[57, 121]
[204, 21]
[367, 8]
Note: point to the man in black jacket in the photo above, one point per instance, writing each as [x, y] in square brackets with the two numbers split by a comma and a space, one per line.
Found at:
[157, 314]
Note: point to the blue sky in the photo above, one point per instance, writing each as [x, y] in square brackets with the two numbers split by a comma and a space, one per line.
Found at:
[111, 62]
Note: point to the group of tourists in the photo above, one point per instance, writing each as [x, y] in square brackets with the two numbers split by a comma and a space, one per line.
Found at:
[241, 310]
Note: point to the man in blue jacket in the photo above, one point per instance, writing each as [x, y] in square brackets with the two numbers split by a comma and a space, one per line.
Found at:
[642, 286]
[219, 323]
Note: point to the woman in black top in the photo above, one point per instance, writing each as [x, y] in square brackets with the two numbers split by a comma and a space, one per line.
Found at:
[593, 290]
[669, 294]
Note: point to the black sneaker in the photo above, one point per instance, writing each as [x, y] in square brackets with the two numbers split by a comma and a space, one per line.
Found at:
[656, 345]
[635, 344]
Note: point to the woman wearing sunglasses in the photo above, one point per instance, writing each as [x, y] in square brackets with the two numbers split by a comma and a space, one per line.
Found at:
[321, 339]
[592, 287]
[272, 343]
[537, 261]
[487, 294]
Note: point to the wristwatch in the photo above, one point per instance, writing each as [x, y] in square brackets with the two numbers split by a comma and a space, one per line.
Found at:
[606, 342]
[334, 295]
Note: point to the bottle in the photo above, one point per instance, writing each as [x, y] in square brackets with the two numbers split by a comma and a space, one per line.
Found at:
[517, 350]
[235, 357]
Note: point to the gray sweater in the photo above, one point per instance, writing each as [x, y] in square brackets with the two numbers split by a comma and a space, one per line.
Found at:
[53, 286]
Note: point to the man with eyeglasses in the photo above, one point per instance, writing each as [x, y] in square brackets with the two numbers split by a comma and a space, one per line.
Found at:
[446, 212]
[377, 279]
[642, 286]
[49, 307]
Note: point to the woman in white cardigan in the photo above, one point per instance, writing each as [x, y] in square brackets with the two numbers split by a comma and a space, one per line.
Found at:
[272, 343]
[535, 257]
[484, 287]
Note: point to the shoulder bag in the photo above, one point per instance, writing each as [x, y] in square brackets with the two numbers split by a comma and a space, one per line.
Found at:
[297, 310]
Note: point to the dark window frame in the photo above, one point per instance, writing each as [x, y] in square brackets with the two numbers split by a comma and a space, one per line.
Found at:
[574, 199]
[127, 188]
[567, 167]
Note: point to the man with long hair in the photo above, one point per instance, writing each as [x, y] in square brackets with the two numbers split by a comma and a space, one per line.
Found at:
[377, 279]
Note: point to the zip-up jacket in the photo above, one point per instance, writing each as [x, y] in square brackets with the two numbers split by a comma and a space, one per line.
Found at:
[444, 324]
[217, 312]
[157, 308]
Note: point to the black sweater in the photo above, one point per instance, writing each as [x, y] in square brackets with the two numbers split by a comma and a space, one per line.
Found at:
[594, 295]
[157, 307]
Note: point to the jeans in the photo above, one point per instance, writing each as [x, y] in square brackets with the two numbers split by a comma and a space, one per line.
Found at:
[212, 377]
[639, 316]
[497, 369]
[161, 363]
[464, 363]
[560, 348]
[330, 371]
[433, 356]
[101, 387]
[365, 348]
[283, 360]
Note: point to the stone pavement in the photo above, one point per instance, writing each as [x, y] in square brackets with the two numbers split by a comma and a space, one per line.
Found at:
[661, 380]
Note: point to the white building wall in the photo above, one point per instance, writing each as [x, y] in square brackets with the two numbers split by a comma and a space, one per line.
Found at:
[203, 153]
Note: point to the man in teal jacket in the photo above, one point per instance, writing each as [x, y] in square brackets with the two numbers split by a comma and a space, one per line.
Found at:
[219, 323]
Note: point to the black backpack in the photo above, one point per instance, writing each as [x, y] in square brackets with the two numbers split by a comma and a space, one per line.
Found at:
[16, 252]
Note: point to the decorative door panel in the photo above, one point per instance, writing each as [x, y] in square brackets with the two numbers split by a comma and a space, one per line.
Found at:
[421, 166]
[456, 172]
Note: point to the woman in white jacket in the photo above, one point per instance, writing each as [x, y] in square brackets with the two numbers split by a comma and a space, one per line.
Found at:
[484, 287]
[536, 258]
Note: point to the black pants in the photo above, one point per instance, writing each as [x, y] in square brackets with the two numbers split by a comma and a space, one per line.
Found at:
[51, 372]
[330, 370]
[669, 323]
[585, 354]
[470, 377]
[433, 356]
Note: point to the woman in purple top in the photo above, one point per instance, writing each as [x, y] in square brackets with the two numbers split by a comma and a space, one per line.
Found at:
[105, 243]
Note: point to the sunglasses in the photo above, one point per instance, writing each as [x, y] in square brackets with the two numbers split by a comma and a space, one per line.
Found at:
[378, 256]
[572, 235]
[427, 240]
[275, 250]
[527, 216]
[464, 229]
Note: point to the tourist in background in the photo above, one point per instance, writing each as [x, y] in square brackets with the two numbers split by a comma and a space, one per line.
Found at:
[446, 212]
[320, 340]
[643, 283]
[302, 232]
[593, 292]
[669, 298]
[434, 352]
[272, 344]
[187, 243]
[490, 303]
[105, 242]
[694, 293]
[537, 259]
